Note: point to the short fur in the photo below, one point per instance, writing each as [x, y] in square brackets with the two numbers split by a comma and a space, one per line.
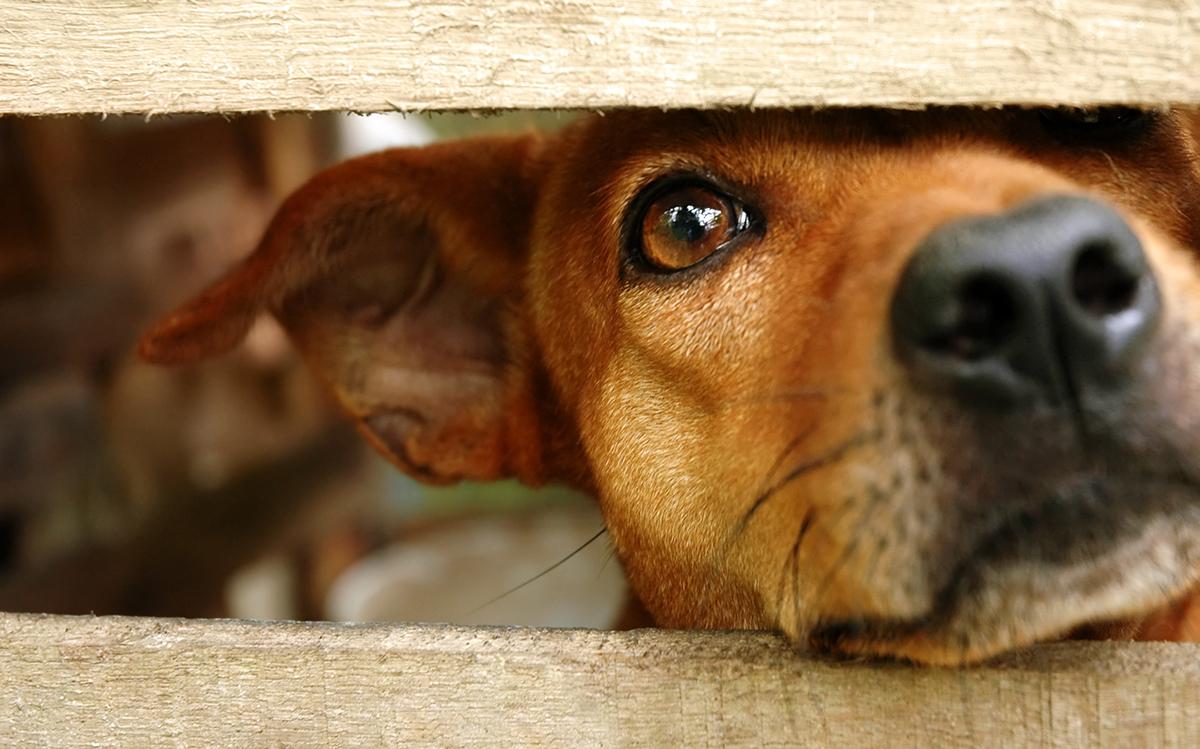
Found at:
[760, 457]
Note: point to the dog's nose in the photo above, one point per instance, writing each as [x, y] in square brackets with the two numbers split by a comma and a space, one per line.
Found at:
[1050, 297]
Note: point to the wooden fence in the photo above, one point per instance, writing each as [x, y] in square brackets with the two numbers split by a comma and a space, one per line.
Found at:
[144, 682]
[126, 682]
[67, 56]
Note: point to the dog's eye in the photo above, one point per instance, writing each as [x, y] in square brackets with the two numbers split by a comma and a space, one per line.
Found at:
[685, 225]
[1096, 123]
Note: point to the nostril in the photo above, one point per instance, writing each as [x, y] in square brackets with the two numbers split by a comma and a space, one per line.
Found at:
[1100, 284]
[1027, 306]
[986, 317]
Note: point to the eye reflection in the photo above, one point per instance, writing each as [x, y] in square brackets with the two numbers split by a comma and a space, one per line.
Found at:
[690, 223]
[686, 225]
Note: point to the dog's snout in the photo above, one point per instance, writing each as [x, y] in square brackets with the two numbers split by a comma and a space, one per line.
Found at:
[1049, 297]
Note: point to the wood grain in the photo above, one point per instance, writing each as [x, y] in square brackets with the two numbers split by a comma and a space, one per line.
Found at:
[120, 682]
[63, 56]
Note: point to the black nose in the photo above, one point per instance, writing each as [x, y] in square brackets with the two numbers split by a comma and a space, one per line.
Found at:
[1036, 303]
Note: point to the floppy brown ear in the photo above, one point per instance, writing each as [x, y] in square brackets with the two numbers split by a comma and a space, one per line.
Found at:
[399, 277]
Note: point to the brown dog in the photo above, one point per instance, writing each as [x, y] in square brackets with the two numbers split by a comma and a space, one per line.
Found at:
[913, 384]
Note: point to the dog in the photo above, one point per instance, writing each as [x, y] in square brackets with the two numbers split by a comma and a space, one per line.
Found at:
[917, 385]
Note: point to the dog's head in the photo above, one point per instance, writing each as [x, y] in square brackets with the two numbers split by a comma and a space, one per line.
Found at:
[916, 384]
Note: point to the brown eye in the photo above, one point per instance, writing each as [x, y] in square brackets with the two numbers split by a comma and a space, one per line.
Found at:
[687, 224]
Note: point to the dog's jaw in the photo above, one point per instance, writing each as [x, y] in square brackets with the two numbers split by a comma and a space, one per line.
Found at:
[992, 606]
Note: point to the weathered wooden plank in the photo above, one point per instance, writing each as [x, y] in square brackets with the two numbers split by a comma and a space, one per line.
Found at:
[100, 681]
[60, 56]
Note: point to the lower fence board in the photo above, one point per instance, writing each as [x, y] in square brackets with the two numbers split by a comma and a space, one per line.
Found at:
[114, 681]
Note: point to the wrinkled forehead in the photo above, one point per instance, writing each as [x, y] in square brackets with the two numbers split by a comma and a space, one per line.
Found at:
[735, 139]
[825, 128]
[739, 140]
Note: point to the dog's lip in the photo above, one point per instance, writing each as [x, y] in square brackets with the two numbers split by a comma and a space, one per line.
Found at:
[1127, 581]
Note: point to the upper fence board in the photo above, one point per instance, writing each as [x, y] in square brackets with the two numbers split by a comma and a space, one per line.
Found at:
[63, 56]
[98, 682]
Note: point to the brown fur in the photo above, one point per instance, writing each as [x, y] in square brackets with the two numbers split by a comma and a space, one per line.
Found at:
[471, 306]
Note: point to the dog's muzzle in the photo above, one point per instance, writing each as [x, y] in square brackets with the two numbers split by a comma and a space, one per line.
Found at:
[1047, 301]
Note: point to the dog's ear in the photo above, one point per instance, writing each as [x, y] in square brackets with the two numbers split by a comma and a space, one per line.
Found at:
[399, 277]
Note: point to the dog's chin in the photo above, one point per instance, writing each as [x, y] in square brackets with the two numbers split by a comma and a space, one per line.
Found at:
[1070, 565]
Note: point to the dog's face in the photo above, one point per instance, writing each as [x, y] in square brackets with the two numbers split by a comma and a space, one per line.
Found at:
[913, 384]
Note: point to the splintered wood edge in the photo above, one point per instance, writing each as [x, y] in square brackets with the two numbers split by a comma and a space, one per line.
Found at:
[116, 681]
[64, 56]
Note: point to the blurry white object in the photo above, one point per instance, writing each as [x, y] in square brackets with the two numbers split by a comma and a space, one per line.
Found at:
[265, 590]
[444, 575]
[365, 133]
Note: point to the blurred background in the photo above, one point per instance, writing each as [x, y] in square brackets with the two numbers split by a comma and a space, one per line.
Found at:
[232, 488]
